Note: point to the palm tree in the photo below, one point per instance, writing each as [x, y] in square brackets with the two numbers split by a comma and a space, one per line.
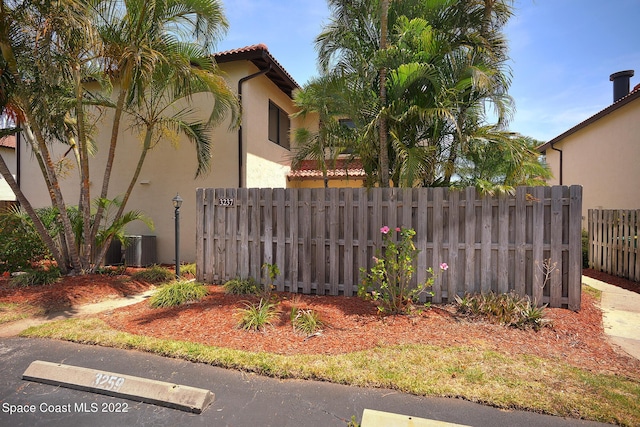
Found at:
[322, 98]
[499, 161]
[55, 51]
[422, 95]
[146, 36]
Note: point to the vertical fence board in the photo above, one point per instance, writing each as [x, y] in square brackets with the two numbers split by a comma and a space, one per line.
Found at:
[503, 244]
[294, 246]
[255, 262]
[243, 231]
[538, 244]
[350, 285]
[470, 240]
[485, 246]
[334, 248]
[362, 228]
[421, 235]
[438, 225]
[454, 237]
[555, 279]
[231, 235]
[320, 219]
[306, 242]
[521, 240]
[201, 209]
[210, 225]
[281, 241]
[575, 239]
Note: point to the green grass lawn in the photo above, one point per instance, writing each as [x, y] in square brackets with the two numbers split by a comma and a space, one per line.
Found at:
[475, 373]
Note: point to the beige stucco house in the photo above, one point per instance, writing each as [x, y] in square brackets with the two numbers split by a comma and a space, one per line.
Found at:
[602, 153]
[256, 155]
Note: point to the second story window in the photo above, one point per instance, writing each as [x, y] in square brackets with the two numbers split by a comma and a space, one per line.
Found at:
[279, 125]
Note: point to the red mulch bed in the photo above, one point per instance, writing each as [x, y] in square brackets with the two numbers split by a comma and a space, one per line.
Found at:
[73, 290]
[350, 324]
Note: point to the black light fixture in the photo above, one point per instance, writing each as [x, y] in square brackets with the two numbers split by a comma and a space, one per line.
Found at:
[177, 202]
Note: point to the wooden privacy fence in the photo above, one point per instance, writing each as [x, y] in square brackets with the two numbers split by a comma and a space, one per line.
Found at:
[613, 242]
[529, 243]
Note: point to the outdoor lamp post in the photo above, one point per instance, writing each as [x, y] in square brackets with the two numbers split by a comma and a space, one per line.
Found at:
[177, 202]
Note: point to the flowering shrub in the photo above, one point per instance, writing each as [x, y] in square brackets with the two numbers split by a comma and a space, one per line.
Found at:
[388, 281]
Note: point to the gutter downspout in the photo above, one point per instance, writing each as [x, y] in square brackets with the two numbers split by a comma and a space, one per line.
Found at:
[559, 151]
[240, 147]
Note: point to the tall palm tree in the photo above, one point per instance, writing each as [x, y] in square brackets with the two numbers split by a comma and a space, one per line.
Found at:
[139, 36]
[446, 60]
[55, 51]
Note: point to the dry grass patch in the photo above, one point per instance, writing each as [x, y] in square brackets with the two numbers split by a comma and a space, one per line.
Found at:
[476, 373]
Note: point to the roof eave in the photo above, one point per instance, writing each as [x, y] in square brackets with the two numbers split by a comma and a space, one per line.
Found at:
[613, 107]
[261, 58]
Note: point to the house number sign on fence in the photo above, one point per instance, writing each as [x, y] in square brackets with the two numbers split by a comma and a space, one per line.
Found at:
[226, 201]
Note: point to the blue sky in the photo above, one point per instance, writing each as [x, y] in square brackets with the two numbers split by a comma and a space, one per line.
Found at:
[562, 52]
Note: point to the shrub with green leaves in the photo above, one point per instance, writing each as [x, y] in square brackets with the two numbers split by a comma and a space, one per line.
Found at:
[241, 286]
[154, 274]
[177, 293]
[256, 316]
[305, 321]
[36, 278]
[388, 282]
[20, 244]
[506, 309]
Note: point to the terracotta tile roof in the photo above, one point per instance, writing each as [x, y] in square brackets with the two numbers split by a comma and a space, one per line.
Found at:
[8, 141]
[260, 56]
[344, 168]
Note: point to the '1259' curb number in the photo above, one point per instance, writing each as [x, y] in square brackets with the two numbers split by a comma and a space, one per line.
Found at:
[108, 382]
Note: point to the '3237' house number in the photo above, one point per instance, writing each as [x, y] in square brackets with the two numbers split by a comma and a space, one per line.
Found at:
[222, 201]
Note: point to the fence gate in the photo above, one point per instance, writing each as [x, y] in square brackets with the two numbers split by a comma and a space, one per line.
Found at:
[529, 243]
[613, 242]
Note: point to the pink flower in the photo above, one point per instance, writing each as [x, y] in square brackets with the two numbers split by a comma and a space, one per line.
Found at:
[398, 229]
[384, 230]
[375, 259]
[444, 266]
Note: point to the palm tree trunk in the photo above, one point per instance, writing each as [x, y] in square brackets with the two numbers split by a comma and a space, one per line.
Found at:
[382, 125]
[54, 192]
[85, 197]
[110, 159]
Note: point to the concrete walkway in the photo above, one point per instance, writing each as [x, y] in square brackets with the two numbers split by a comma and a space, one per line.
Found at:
[620, 315]
[14, 328]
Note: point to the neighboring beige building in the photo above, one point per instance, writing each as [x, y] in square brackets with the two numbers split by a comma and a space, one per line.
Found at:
[602, 153]
[256, 155]
[344, 173]
[8, 153]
